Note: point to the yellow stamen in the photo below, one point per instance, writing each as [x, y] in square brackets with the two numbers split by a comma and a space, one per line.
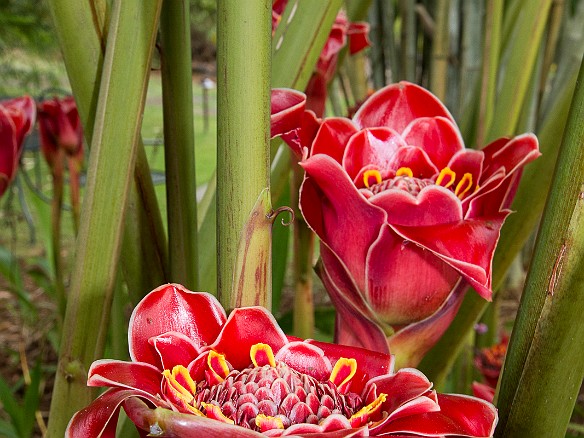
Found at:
[369, 174]
[343, 372]
[463, 186]
[186, 387]
[265, 422]
[404, 171]
[446, 172]
[362, 415]
[262, 354]
[214, 412]
[218, 365]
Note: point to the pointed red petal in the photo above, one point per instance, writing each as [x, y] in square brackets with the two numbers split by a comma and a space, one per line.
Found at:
[306, 358]
[332, 137]
[397, 105]
[244, 328]
[138, 376]
[174, 349]
[173, 308]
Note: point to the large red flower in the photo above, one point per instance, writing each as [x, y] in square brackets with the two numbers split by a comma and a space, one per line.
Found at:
[195, 372]
[407, 216]
[17, 117]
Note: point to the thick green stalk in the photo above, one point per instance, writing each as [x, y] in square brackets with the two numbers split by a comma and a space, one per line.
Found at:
[408, 40]
[243, 114]
[144, 260]
[116, 132]
[440, 50]
[545, 362]
[56, 214]
[491, 52]
[179, 141]
[524, 48]
[297, 45]
[528, 205]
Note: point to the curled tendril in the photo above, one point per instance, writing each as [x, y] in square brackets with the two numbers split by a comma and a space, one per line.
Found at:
[274, 213]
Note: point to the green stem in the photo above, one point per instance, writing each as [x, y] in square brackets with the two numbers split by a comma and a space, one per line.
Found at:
[117, 127]
[243, 105]
[545, 360]
[75, 188]
[179, 150]
[303, 257]
[408, 40]
[491, 51]
[440, 51]
[56, 214]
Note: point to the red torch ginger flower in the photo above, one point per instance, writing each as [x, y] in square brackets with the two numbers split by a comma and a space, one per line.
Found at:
[17, 117]
[406, 215]
[489, 361]
[196, 372]
[61, 130]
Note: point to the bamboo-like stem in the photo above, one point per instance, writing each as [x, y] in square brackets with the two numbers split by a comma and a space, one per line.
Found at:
[146, 257]
[179, 142]
[116, 132]
[243, 113]
[440, 51]
[303, 255]
[519, 69]
[544, 366]
[528, 205]
[56, 214]
[491, 51]
[408, 40]
[471, 51]
[298, 41]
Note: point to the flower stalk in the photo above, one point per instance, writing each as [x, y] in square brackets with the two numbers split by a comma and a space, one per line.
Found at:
[115, 134]
[545, 357]
[243, 105]
[179, 148]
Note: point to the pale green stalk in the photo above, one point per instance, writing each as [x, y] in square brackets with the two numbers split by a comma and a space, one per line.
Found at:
[113, 149]
[243, 114]
[179, 142]
[544, 366]
[408, 40]
[297, 44]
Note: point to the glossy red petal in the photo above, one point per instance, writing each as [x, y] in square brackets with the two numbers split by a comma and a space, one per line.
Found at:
[434, 205]
[358, 36]
[459, 415]
[245, 327]
[402, 387]
[509, 154]
[174, 349]
[376, 146]
[287, 108]
[339, 214]
[468, 246]
[129, 375]
[332, 137]
[100, 418]
[437, 136]
[396, 296]
[397, 105]
[173, 308]
[307, 359]
[170, 424]
[416, 160]
[413, 341]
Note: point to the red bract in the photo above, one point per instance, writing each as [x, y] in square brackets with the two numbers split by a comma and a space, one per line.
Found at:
[17, 117]
[407, 217]
[61, 130]
[195, 372]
